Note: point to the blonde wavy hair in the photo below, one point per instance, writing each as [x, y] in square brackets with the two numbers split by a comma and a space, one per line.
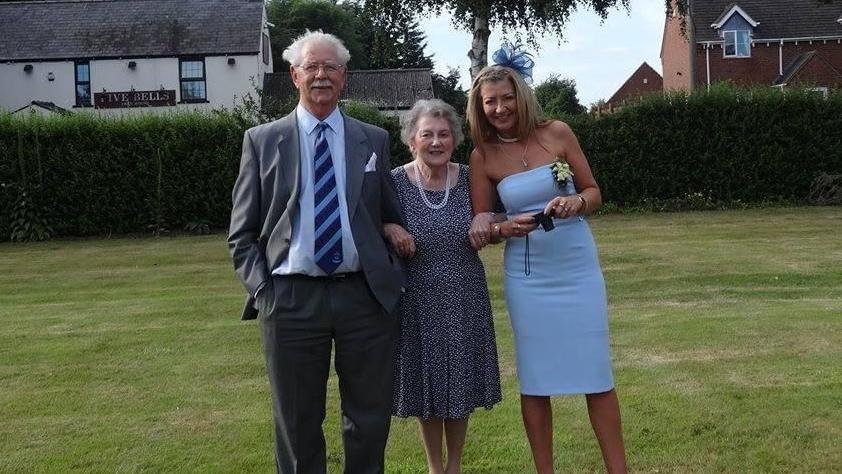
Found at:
[529, 115]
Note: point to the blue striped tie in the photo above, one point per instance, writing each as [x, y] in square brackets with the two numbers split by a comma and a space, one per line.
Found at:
[327, 224]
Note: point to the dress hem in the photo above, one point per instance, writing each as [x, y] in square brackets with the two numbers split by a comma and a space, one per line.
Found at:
[567, 391]
[446, 417]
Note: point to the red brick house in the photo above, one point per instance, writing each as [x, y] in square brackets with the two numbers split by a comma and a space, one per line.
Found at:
[750, 42]
[643, 81]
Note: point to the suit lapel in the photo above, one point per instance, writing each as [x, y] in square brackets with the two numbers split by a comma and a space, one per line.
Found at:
[355, 161]
[289, 161]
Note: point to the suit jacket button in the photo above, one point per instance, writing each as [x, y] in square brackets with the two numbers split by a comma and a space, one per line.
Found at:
[286, 241]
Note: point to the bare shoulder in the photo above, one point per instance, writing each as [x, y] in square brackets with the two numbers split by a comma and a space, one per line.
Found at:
[477, 157]
[558, 130]
[554, 136]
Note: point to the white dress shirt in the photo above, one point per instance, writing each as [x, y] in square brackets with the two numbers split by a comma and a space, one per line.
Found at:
[300, 257]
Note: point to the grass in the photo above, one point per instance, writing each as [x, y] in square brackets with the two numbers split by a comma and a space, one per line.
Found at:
[128, 355]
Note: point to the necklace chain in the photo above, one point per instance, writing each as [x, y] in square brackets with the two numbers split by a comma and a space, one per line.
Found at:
[423, 193]
[522, 156]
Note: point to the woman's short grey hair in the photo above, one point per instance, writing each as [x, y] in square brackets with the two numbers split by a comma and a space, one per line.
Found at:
[436, 108]
[293, 52]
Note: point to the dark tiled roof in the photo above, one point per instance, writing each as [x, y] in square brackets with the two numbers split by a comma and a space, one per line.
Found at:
[798, 63]
[384, 88]
[777, 18]
[124, 28]
[50, 106]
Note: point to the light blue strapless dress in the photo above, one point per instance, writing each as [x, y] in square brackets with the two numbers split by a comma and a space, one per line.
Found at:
[558, 310]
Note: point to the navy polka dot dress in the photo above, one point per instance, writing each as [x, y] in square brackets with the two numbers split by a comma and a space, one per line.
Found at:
[447, 356]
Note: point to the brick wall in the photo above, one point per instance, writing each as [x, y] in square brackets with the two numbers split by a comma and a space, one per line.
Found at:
[643, 81]
[763, 65]
[675, 56]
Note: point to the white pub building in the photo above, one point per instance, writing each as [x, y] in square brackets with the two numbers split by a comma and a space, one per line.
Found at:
[114, 56]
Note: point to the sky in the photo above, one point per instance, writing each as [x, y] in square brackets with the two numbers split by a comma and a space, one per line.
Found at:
[598, 55]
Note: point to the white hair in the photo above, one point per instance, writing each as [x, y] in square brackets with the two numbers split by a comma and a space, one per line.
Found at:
[435, 108]
[293, 52]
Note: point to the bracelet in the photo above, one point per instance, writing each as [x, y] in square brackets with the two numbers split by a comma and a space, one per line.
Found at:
[584, 203]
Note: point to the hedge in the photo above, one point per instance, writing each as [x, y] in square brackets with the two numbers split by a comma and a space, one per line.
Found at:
[754, 145]
[86, 175]
[90, 175]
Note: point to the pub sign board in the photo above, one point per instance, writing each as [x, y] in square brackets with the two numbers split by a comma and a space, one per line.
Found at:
[115, 100]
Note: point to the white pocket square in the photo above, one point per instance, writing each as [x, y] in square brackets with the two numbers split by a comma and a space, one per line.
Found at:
[372, 163]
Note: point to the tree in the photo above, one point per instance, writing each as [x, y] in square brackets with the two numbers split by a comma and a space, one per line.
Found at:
[392, 41]
[447, 88]
[375, 40]
[557, 97]
[292, 17]
[534, 17]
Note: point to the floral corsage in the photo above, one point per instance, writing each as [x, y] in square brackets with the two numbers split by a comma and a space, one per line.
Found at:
[561, 172]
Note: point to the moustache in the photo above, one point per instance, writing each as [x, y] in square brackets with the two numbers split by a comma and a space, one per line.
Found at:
[321, 84]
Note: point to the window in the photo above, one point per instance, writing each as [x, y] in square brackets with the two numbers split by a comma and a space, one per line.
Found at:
[821, 91]
[192, 76]
[267, 52]
[737, 44]
[83, 84]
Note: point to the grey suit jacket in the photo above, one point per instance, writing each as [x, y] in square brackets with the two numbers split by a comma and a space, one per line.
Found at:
[266, 197]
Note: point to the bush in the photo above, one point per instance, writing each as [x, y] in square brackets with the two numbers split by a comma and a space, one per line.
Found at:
[84, 175]
[368, 114]
[729, 145]
[103, 175]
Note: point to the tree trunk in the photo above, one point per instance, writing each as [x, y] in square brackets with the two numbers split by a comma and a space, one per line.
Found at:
[479, 45]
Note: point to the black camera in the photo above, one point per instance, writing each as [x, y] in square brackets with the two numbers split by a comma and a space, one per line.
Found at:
[544, 220]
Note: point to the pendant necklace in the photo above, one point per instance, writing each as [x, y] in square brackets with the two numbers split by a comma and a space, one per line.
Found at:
[423, 193]
[525, 147]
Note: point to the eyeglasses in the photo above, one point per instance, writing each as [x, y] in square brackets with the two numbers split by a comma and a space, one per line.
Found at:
[313, 68]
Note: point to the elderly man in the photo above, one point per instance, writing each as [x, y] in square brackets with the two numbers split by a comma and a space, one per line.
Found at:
[310, 202]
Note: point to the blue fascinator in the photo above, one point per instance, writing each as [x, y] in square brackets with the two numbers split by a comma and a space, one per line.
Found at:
[515, 57]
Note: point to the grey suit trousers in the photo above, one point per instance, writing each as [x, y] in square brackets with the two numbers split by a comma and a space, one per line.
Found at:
[300, 318]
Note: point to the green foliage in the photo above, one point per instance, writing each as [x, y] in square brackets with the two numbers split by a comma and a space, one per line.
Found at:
[447, 88]
[368, 114]
[733, 148]
[391, 42]
[557, 97]
[104, 175]
[747, 145]
[534, 18]
[375, 39]
[292, 17]
[27, 222]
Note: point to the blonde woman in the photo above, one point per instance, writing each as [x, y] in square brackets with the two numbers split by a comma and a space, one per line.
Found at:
[554, 287]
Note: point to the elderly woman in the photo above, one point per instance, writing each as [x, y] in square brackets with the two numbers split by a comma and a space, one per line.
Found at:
[447, 358]
[554, 287]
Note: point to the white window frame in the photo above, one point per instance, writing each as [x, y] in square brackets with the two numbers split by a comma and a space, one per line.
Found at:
[736, 34]
[822, 90]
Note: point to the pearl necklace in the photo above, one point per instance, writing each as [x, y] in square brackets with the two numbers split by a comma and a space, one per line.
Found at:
[507, 140]
[424, 194]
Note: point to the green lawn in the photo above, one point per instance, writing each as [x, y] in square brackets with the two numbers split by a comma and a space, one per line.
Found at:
[128, 355]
